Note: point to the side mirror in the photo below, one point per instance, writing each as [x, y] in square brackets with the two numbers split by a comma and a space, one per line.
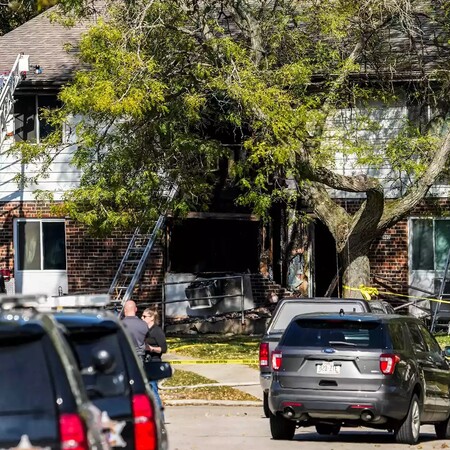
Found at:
[446, 351]
[103, 361]
[157, 370]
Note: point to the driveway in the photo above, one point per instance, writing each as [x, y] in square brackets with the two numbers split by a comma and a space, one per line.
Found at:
[244, 427]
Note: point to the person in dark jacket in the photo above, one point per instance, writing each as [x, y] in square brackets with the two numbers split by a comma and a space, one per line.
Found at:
[156, 344]
[137, 328]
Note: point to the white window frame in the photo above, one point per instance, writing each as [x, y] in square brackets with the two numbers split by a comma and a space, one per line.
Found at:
[41, 256]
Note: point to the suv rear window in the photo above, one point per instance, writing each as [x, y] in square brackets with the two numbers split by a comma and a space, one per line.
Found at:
[24, 377]
[87, 344]
[323, 333]
[289, 310]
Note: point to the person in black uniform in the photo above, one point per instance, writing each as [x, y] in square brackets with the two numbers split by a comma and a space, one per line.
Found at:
[156, 344]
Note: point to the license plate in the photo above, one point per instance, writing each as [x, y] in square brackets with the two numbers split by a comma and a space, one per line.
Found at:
[328, 367]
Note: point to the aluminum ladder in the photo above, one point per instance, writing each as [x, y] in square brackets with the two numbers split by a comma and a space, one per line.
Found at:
[8, 86]
[133, 262]
[441, 294]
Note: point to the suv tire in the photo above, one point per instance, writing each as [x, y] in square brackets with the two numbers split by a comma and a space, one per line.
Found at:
[408, 433]
[328, 429]
[266, 404]
[281, 428]
[443, 429]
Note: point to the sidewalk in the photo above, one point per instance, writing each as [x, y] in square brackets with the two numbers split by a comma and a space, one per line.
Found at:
[238, 376]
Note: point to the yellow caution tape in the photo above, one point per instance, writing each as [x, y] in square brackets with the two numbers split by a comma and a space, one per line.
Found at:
[368, 291]
[214, 361]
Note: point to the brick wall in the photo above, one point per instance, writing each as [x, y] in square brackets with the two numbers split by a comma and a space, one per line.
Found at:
[91, 261]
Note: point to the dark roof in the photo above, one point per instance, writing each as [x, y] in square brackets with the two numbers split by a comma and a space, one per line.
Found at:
[44, 41]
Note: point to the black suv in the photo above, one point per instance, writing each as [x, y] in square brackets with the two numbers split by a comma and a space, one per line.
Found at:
[43, 402]
[380, 371]
[290, 307]
[114, 378]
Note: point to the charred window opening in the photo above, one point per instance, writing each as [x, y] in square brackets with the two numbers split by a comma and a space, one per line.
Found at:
[214, 245]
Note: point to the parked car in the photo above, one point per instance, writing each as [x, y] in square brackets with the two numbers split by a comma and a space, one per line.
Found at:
[43, 402]
[287, 309]
[114, 377]
[381, 371]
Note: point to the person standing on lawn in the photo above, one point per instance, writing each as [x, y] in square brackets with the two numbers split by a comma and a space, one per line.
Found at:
[156, 344]
[137, 328]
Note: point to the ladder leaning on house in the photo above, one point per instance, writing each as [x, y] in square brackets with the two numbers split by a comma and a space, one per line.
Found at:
[133, 262]
[441, 294]
[8, 86]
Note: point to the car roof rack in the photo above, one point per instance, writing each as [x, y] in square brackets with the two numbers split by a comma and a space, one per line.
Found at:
[44, 302]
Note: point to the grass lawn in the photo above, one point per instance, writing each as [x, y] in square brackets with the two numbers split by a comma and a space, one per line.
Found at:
[185, 378]
[216, 346]
[208, 347]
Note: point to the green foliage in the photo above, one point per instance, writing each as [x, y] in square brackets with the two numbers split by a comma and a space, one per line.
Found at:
[170, 86]
[216, 347]
[16, 12]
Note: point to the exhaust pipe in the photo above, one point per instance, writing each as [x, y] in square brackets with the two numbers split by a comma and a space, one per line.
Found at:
[289, 412]
[367, 415]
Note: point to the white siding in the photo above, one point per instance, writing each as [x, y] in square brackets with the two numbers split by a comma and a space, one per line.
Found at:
[62, 176]
[389, 121]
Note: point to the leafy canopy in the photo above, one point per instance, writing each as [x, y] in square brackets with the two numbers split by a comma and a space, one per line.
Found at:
[171, 87]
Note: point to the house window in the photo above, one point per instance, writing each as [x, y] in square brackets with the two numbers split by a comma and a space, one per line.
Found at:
[28, 120]
[430, 243]
[41, 244]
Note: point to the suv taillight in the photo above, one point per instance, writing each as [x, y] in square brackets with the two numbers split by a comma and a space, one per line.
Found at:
[72, 432]
[388, 363]
[144, 423]
[276, 360]
[263, 354]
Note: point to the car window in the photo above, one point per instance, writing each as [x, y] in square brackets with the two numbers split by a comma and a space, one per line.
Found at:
[321, 333]
[431, 342]
[397, 333]
[113, 382]
[416, 338]
[25, 379]
[288, 310]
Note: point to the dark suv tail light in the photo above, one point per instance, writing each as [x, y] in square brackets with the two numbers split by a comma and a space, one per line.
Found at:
[144, 423]
[388, 363]
[72, 432]
[276, 360]
[264, 354]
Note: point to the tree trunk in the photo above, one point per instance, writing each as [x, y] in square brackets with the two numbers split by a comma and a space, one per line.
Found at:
[356, 273]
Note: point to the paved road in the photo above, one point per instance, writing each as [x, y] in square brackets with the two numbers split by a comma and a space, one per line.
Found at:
[244, 427]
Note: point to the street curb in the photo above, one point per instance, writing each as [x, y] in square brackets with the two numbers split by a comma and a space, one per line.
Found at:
[196, 402]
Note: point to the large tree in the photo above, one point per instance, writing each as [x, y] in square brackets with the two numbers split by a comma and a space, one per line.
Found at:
[173, 85]
[14, 13]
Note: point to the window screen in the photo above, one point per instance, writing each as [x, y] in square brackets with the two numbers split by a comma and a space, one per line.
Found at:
[422, 244]
[29, 237]
[441, 242]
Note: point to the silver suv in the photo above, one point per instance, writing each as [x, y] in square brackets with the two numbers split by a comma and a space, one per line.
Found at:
[380, 371]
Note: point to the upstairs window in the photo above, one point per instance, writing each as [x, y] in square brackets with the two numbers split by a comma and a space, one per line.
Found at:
[29, 123]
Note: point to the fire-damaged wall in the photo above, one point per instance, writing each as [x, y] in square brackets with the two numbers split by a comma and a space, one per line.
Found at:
[210, 258]
[213, 245]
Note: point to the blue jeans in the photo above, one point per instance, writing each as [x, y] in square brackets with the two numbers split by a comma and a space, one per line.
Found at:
[154, 388]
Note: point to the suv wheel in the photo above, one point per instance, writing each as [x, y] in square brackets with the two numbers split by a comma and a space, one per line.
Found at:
[266, 404]
[408, 433]
[443, 429]
[281, 428]
[328, 429]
